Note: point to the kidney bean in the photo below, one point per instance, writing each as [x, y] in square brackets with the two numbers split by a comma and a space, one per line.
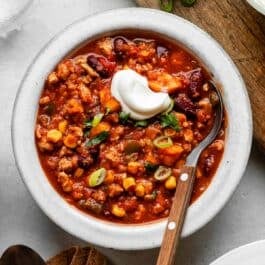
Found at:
[184, 103]
[101, 65]
[85, 162]
[196, 81]
[119, 48]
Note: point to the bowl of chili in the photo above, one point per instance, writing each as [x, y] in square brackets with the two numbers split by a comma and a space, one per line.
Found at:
[108, 177]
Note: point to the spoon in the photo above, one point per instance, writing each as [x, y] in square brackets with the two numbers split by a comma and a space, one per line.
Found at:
[21, 255]
[184, 189]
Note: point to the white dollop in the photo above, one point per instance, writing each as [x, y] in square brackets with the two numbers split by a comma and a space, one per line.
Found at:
[135, 96]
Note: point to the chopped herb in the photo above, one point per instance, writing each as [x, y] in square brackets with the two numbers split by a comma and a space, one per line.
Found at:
[166, 5]
[142, 123]
[98, 139]
[188, 3]
[49, 109]
[96, 120]
[163, 142]
[150, 168]
[162, 173]
[124, 117]
[151, 197]
[86, 133]
[170, 120]
[107, 111]
[88, 124]
[97, 177]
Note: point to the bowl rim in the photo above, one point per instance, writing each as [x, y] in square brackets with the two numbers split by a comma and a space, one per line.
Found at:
[113, 235]
[257, 5]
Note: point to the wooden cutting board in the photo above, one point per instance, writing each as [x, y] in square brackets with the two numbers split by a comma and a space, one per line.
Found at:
[241, 31]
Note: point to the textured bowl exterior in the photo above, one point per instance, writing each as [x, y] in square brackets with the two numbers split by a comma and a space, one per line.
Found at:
[238, 141]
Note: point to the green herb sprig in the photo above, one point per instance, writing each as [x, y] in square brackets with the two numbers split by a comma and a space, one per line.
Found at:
[97, 139]
[170, 120]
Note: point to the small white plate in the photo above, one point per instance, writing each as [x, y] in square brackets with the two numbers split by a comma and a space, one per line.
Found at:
[250, 254]
[259, 5]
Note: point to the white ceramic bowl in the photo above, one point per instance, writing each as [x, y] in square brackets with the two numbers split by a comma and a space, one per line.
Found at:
[237, 148]
[259, 5]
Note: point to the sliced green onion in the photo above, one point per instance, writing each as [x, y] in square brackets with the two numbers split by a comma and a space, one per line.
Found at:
[97, 119]
[162, 173]
[166, 5]
[97, 177]
[170, 107]
[142, 123]
[107, 111]
[163, 142]
[188, 3]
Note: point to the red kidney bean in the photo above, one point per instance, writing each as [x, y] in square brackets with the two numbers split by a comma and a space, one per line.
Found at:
[119, 48]
[184, 103]
[101, 65]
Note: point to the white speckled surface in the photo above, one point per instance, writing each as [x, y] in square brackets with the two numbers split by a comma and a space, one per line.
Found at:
[21, 221]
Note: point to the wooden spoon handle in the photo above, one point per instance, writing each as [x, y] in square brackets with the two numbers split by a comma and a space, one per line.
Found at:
[176, 216]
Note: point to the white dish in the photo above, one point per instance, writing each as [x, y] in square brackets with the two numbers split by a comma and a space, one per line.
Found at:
[238, 140]
[259, 5]
[250, 254]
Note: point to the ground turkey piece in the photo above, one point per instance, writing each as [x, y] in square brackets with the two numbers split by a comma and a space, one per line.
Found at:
[91, 205]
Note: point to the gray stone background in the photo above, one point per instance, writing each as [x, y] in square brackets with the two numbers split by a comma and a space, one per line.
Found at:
[21, 221]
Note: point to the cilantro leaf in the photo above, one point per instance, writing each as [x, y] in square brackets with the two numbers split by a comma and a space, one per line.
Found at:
[88, 124]
[170, 120]
[124, 117]
[150, 168]
[98, 139]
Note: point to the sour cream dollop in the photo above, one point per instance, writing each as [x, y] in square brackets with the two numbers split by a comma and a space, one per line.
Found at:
[135, 96]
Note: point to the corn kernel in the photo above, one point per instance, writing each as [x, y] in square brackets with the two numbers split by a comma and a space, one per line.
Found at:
[54, 136]
[70, 141]
[188, 135]
[128, 183]
[79, 172]
[118, 211]
[171, 183]
[133, 167]
[62, 126]
[140, 190]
